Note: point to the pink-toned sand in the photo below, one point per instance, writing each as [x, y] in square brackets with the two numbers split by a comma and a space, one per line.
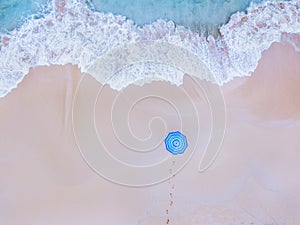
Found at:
[254, 180]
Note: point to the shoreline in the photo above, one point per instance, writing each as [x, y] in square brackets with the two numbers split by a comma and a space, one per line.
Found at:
[59, 40]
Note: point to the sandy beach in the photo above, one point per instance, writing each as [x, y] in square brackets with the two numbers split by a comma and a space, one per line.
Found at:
[255, 178]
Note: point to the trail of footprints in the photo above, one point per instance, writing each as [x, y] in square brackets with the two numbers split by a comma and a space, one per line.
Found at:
[171, 199]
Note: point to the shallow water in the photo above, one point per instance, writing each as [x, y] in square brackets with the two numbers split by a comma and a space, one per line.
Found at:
[14, 12]
[198, 15]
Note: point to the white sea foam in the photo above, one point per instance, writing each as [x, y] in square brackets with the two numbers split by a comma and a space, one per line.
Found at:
[142, 73]
[80, 36]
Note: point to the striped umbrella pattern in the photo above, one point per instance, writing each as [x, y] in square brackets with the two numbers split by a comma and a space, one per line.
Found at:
[176, 143]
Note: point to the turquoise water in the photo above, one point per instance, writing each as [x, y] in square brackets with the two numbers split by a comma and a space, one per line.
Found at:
[81, 36]
[14, 12]
[198, 15]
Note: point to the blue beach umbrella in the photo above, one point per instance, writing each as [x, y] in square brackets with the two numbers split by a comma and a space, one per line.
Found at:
[176, 143]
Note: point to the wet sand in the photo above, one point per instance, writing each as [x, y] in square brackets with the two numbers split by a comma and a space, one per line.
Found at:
[254, 180]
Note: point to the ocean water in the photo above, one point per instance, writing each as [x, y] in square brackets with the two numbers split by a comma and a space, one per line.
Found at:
[197, 15]
[103, 38]
[14, 12]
